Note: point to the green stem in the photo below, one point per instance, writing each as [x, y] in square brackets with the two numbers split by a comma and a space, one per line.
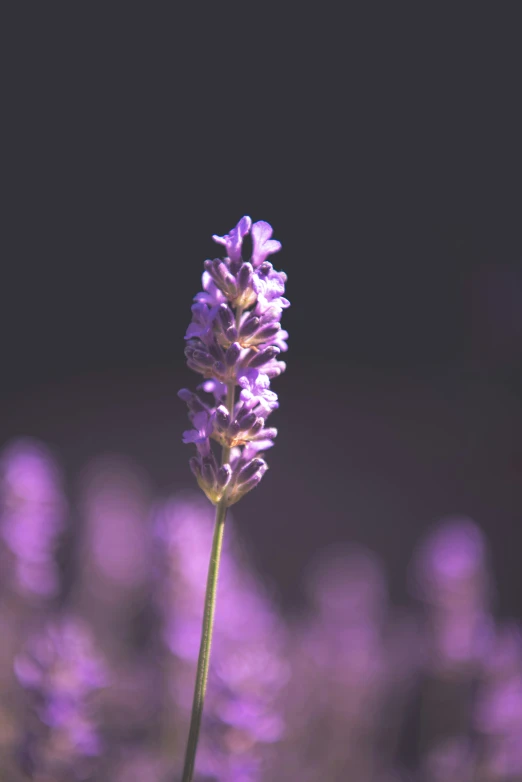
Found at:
[206, 641]
[208, 618]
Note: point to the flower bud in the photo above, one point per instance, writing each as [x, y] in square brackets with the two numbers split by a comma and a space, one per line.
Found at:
[249, 470]
[222, 417]
[223, 475]
[264, 356]
[232, 354]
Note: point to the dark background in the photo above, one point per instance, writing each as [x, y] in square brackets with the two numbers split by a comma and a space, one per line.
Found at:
[383, 146]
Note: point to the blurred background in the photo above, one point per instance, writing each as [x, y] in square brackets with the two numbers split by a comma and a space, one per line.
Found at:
[384, 149]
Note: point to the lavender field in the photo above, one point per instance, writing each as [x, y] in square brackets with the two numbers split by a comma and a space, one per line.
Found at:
[98, 657]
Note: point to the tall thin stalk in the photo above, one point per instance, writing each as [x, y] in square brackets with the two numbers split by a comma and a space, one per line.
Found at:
[235, 338]
[206, 642]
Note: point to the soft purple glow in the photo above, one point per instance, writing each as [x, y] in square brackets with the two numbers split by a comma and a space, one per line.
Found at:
[116, 545]
[339, 677]
[498, 713]
[61, 669]
[344, 638]
[451, 563]
[32, 515]
[451, 575]
[326, 697]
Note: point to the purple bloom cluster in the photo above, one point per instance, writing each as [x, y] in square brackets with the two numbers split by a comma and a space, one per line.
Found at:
[235, 339]
[351, 688]
[32, 515]
[62, 671]
[498, 713]
[338, 689]
[452, 578]
[472, 665]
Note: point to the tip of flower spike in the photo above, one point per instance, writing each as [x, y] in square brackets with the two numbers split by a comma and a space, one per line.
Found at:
[262, 243]
[234, 240]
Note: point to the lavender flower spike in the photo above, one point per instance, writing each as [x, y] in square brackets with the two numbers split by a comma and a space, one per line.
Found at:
[234, 339]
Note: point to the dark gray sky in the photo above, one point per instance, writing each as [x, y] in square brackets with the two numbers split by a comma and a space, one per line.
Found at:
[385, 152]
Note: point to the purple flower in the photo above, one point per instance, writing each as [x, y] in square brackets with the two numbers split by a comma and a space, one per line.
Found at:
[451, 564]
[203, 428]
[336, 696]
[233, 241]
[61, 670]
[32, 516]
[210, 294]
[451, 576]
[202, 322]
[255, 387]
[262, 244]
[214, 387]
[270, 286]
[234, 340]
[498, 711]
[114, 564]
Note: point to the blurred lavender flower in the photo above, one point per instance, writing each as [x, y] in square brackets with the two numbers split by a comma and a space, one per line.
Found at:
[235, 339]
[451, 576]
[115, 501]
[61, 672]
[338, 687]
[241, 719]
[114, 590]
[115, 565]
[32, 515]
[498, 714]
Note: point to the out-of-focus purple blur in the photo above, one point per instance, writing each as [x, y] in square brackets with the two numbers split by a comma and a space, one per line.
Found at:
[103, 584]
